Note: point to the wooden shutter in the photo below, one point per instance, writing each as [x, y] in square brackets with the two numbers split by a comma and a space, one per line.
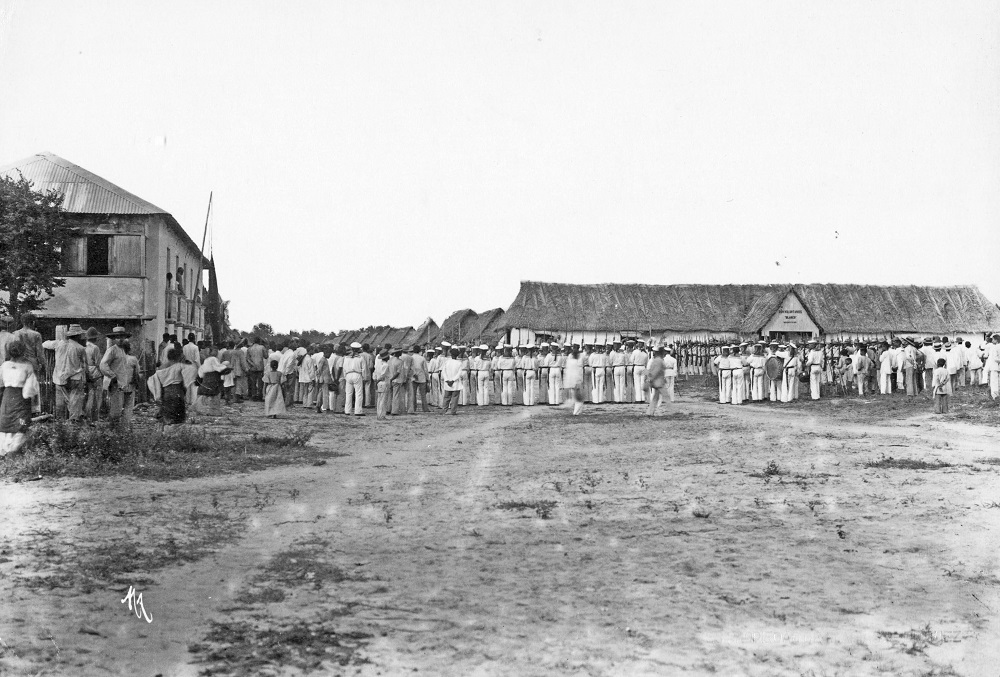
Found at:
[126, 255]
[74, 256]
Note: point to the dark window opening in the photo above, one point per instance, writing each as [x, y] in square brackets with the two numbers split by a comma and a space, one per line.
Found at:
[97, 254]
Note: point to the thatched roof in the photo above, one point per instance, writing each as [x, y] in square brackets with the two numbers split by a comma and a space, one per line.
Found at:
[745, 309]
[484, 329]
[456, 325]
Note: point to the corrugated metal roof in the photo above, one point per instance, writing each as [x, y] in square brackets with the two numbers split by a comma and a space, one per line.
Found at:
[85, 192]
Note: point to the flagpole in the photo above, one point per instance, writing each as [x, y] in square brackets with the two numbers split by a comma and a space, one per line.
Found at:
[201, 257]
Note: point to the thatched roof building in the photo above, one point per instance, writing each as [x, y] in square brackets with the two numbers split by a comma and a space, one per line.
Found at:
[604, 312]
[485, 328]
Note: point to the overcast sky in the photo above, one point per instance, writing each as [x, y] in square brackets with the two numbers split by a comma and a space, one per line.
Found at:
[379, 162]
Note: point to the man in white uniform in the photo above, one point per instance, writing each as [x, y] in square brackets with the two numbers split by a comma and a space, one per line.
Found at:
[639, 359]
[721, 362]
[598, 362]
[353, 366]
[616, 360]
[992, 367]
[814, 363]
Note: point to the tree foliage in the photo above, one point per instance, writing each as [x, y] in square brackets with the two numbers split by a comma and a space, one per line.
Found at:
[33, 231]
[263, 330]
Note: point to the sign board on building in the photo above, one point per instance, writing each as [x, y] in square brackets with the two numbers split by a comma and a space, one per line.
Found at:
[791, 318]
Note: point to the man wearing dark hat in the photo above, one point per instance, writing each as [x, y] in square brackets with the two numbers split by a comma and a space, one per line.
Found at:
[69, 373]
[418, 381]
[95, 393]
[398, 380]
[383, 385]
[118, 378]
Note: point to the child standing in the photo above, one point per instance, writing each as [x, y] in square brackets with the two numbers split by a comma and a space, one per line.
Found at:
[942, 386]
[274, 399]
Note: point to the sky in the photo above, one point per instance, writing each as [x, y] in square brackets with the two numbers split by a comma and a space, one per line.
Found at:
[382, 162]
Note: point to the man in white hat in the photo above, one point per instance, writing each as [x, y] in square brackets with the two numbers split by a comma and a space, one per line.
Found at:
[814, 365]
[507, 366]
[528, 365]
[992, 365]
[354, 393]
[69, 373]
[543, 372]
[306, 388]
[736, 367]
[484, 375]
[555, 363]
[639, 359]
[725, 375]
[616, 360]
[118, 378]
[598, 362]
[451, 374]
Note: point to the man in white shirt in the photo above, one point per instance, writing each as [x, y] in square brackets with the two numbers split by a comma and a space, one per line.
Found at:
[639, 359]
[451, 380]
[953, 357]
[725, 375]
[814, 365]
[616, 360]
[885, 360]
[992, 366]
[307, 378]
[418, 382]
[353, 367]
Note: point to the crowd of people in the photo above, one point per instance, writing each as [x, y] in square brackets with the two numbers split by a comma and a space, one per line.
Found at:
[394, 380]
[934, 366]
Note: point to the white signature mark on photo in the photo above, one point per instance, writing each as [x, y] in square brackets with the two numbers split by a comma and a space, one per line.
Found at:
[135, 604]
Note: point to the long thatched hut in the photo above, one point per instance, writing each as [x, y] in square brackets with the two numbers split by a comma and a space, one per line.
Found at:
[707, 313]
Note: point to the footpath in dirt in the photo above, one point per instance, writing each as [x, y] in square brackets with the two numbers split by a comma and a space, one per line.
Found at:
[711, 539]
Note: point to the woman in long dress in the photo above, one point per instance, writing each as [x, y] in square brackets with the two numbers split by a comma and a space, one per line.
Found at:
[274, 399]
[18, 385]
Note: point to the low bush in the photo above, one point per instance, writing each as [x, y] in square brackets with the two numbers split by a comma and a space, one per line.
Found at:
[62, 448]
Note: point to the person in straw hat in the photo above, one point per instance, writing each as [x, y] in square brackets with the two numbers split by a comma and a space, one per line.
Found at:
[383, 385]
[419, 381]
[69, 373]
[118, 378]
[95, 393]
[528, 365]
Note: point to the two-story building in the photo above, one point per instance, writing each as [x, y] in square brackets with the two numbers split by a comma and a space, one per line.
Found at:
[130, 263]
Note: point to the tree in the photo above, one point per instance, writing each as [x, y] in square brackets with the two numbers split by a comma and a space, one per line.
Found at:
[33, 230]
[263, 330]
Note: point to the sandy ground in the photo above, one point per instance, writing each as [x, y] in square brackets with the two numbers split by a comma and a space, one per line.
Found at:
[513, 541]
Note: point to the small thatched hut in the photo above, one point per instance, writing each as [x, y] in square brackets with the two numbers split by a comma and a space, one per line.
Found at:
[456, 325]
[485, 328]
[705, 313]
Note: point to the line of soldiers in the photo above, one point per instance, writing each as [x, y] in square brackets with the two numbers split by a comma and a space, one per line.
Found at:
[350, 378]
[529, 375]
[900, 365]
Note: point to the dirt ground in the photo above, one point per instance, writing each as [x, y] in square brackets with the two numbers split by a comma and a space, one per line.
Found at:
[711, 539]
